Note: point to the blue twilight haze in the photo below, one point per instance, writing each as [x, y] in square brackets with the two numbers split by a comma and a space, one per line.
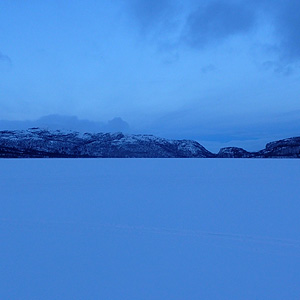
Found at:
[222, 72]
[215, 71]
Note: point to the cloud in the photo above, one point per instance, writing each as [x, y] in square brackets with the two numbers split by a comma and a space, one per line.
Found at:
[217, 20]
[175, 23]
[283, 17]
[208, 68]
[5, 59]
[150, 14]
[62, 122]
[278, 67]
[287, 26]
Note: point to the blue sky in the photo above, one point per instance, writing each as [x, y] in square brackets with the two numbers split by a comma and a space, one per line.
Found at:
[176, 68]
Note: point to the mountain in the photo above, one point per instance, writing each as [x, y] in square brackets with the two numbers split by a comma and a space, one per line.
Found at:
[41, 143]
[37, 142]
[286, 148]
[282, 148]
[234, 152]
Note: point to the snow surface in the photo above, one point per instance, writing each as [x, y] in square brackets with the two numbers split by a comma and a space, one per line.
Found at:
[149, 229]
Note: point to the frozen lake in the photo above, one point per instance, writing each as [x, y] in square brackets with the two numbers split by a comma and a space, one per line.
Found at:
[149, 229]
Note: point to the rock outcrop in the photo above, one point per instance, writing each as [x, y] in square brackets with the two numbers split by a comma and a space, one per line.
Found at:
[234, 152]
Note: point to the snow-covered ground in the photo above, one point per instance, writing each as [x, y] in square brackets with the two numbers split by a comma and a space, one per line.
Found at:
[149, 229]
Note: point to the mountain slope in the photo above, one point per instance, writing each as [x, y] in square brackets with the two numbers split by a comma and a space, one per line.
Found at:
[286, 148]
[36, 142]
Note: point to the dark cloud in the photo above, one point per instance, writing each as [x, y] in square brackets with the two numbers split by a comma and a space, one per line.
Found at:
[287, 25]
[278, 67]
[283, 17]
[55, 122]
[216, 21]
[5, 59]
[151, 14]
[208, 68]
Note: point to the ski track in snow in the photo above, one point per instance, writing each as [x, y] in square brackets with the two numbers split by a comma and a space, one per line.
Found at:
[258, 242]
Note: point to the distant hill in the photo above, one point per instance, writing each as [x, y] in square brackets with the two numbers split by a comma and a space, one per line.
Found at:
[42, 143]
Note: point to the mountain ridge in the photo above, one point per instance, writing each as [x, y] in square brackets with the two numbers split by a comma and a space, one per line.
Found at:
[43, 143]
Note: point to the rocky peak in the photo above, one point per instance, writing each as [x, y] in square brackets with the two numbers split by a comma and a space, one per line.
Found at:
[233, 152]
[283, 148]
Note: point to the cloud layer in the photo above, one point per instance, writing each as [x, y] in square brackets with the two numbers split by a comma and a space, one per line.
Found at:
[151, 13]
[55, 122]
[216, 21]
[287, 24]
[145, 59]
[212, 22]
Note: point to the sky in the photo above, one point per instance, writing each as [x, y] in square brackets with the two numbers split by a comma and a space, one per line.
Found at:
[215, 71]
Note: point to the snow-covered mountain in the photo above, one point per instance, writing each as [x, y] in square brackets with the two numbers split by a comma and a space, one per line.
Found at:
[36, 142]
[283, 148]
[234, 152]
[286, 148]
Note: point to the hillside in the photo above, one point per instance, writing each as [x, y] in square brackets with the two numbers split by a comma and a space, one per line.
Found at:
[41, 143]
